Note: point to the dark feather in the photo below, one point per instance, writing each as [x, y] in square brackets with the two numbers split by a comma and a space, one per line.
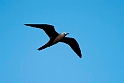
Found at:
[73, 44]
[49, 29]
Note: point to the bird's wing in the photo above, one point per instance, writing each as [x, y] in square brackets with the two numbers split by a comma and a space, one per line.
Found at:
[49, 29]
[73, 44]
[44, 46]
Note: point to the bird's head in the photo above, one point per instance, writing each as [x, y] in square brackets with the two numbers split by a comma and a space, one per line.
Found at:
[65, 33]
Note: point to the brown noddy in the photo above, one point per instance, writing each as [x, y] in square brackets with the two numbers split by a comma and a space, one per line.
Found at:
[56, 37]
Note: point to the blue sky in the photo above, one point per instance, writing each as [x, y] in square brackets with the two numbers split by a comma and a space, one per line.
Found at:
[97, 25]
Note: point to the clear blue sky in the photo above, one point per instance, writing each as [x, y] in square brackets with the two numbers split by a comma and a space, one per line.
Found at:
[97, 25]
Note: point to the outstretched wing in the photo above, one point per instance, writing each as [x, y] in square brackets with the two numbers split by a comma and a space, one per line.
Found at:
[73, 44]
[44, 46]
[49, 29]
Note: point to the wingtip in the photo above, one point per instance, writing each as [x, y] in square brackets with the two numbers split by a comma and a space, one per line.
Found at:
[26, 24]
[80, 56]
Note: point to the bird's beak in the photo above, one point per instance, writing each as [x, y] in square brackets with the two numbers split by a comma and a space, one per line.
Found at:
[67, 33]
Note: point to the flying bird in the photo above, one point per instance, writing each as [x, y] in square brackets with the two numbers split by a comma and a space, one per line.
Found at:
[55, 37]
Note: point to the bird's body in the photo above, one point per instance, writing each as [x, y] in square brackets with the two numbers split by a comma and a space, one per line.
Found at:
[56, 37]
[53, 41]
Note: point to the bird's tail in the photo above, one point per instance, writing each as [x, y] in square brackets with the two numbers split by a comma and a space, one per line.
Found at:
[43, 47]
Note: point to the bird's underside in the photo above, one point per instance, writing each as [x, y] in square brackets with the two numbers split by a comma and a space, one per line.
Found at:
[56, 37]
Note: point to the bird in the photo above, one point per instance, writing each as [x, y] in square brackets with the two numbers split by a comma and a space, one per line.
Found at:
[55, 37]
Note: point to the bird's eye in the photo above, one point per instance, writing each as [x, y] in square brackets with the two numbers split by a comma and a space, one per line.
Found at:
[64, 32]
